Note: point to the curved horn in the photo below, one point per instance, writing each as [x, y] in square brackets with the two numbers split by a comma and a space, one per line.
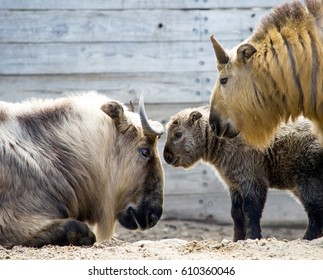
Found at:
[147, 127]
[220, 53]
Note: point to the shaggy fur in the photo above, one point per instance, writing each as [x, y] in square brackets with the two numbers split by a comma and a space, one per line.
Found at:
[275, 74]
[71, 163]
[293, 162]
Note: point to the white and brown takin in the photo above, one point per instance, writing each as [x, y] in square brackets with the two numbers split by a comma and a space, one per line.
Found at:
[73, 166]
[275, 74]
[293, 162]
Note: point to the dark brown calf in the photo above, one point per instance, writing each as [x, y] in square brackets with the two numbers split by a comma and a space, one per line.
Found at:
[293, 162]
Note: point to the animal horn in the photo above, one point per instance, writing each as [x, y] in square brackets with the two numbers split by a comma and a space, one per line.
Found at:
[132, 108]
[148, 128]
[220, 53]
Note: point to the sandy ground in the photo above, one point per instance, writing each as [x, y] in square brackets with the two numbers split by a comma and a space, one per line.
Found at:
[183, 240]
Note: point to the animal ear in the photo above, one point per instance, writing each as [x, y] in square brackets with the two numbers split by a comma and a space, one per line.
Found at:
[114, 110]
[194, 116]
[245, 51]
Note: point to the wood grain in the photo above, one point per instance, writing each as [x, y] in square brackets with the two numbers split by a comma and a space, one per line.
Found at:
[126, 25]
[188, 87]
[135, 4]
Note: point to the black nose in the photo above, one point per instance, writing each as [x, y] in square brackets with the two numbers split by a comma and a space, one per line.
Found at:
[168, 156]
[214, 122]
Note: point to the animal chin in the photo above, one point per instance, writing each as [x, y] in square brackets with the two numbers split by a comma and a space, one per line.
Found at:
[176, 162]
[186, 165]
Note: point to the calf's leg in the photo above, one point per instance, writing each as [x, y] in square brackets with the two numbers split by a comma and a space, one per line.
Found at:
[315, 225]
[237, 216]
[253, 206]
[311, 195]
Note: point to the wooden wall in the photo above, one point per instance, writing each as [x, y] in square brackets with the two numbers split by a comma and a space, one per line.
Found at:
[123, 48]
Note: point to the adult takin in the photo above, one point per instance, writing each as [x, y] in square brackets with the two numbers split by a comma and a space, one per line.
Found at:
[292, 162]
[73, 166]
[274, 75]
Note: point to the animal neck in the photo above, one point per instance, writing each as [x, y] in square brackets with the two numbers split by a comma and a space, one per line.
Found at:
[277, 89]
[288, 63]
[213, 144]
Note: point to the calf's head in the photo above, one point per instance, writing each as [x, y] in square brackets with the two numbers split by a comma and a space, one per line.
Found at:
[138, 177]
[186, 133]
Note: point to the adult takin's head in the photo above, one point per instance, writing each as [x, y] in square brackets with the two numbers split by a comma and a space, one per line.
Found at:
[275, 75]
[140, 198]
[77, 162]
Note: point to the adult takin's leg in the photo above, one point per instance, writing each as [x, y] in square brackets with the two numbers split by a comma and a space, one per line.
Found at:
[63, 233]
[253, 205]
[239, 229]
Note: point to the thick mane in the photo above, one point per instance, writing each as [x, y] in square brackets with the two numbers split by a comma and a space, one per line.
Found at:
[287, 66]
[288, 43]
[274, 75]
[278, 17]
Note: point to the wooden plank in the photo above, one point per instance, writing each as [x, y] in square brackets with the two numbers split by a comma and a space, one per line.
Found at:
[198, 180]
[98, 26]
[280, 209]
[126, 26]
[134, 4]
[230, 25]
[191, 87]
[75, 58]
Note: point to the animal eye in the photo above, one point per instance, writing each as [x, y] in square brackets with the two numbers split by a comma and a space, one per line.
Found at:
[223, 81]
[178, 134]
[144, 152]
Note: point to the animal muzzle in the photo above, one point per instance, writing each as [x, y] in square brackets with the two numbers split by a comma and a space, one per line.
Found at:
[148, 208]
[142, 217]
[222, 128]
[169, 156]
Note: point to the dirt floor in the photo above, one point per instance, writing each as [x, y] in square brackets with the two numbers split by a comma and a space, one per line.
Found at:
[183, 240]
